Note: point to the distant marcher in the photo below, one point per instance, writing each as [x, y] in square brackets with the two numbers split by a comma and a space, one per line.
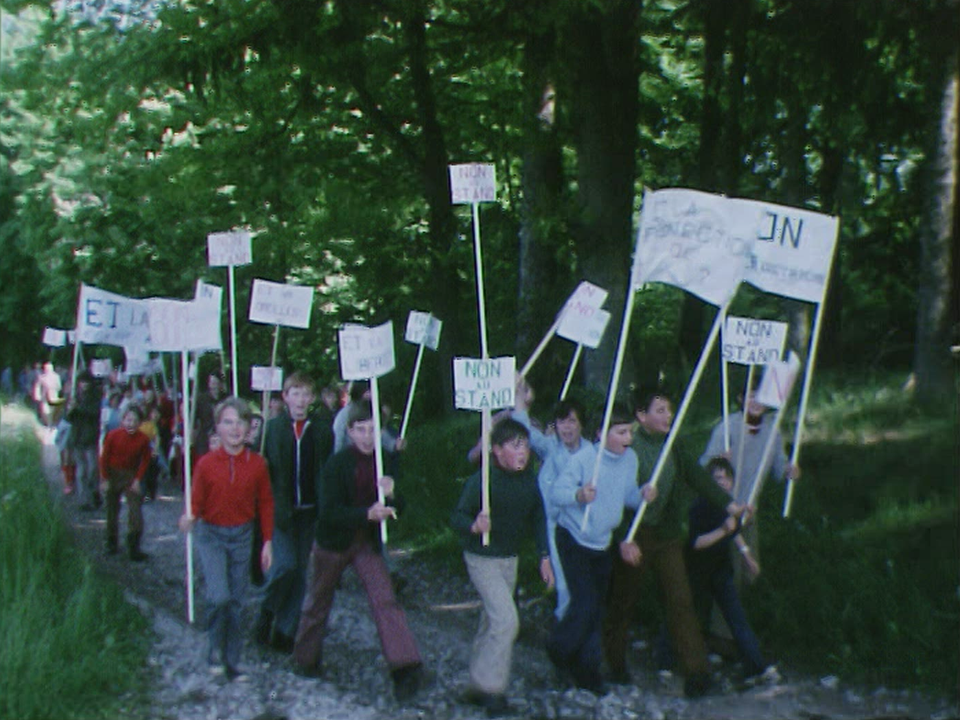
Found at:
[83, 414]
[231, 486]
[124, 460]
[47, 393]
[204, 423]
[68, 468]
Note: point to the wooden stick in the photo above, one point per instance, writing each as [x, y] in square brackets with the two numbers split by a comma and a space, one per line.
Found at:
[263, 402]
[573, 367]
[378, 450]
[187, 481]
[413, 387]
[233, 331]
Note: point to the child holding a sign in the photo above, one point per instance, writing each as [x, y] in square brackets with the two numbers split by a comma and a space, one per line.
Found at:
[516, 509]
[347, 534]
[574, 645]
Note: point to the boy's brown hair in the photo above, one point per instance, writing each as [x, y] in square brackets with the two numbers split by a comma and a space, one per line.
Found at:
[299, 379]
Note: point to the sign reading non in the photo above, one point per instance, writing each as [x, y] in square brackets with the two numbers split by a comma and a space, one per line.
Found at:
[484, 384]
[423, 329]
[472, 183]
[266, 378]
[281, 304]
[778, 379]
[747, 341]
[584, 325]
[366, 352]
[229, 248]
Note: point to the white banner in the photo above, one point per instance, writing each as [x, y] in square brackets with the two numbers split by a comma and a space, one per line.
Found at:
[180, 325]
[229, 248]
[138, 362]
[266, 378]
[365, 352]
[281, 304]
[792, 250]
[484, 384]
[105, 318]
[692, 240]
[747, 341]
[52, 337]
[472, 183]
[100, 367]
[423, 329]
[778, 379]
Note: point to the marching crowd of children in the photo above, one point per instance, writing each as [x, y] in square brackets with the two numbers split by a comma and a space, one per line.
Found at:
[306, 500]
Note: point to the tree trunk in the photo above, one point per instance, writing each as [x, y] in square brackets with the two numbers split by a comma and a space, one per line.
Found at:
[937, 296]
[602, 94]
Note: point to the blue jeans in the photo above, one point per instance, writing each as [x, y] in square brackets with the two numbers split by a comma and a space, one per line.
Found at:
[718, 586]
[287, 581]
[224, 554]
[575, 645]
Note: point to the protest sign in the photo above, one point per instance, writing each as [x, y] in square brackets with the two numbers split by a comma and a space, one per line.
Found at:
[472, 183]
[692, 240]
[791, 251]
[52, 337]
[100, 367]
[584, 325]
[484, 383]
[266, 378]
[229, 249]
[366, 352]
[423, 329]
[281, 304]
[106, 318]
[747, 341]
[180, 325]
[777, 381]
[210, 293]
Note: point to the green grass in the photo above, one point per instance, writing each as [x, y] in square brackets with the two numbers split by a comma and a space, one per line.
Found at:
[862, 581]
[60, 625]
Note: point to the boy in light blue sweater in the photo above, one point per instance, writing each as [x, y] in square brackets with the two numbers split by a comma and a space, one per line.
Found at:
[574, 645]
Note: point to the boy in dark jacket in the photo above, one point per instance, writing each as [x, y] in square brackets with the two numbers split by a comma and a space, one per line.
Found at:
[348, 517]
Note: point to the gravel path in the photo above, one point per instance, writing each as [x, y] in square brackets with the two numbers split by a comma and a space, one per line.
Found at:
[442, 612]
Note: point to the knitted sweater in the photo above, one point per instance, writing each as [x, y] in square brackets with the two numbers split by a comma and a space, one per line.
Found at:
[230, 490]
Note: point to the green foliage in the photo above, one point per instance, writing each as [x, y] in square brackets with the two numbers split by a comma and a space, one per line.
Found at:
[60, 625]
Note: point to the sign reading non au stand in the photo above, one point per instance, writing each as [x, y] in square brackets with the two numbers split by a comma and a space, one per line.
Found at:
[472, 183]
[748, 341]
[229, 249]
[366, 352]
[484, 384]
[281, 304]
[264, 378]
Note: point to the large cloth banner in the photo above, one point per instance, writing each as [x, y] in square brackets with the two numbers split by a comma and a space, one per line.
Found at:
[747, 341]
[281, 304]
[105, 318]
[692, 240]
[366, 352]
[484, 384]
[792, 250]
[226, 249]
[182, 325]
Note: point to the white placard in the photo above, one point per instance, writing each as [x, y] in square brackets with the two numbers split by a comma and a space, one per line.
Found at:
[209, 292]
[72, 337]
[587, 295]
[266, 378]
[229, 248]
[472, 183]
[180, 325]
[52, 337]
[106, 318]
[693, 240]
[281, 304]
[778, 379]
[366, 352]
[792, 250]
[747, 341]
[423, 329]
[584, 326]
[100, 367]
[484, 384]
[142, 365]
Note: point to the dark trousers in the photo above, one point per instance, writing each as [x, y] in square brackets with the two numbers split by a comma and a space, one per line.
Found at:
[287, 579]
[326, 566]
[719, 586]
[665, 558]
[574, 645]
[119, 484]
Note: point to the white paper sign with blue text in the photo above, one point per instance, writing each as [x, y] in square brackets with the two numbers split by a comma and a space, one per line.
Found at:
[748, 341]
[106, 318]
[473, 183]
[229, 249]
[281, 304]
[366, 352]
[423, 329]
[484, 384]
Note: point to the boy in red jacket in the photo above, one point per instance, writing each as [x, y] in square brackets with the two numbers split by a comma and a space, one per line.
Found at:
[124, 460]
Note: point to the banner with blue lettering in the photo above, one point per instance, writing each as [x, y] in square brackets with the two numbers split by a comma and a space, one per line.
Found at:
[105, 318]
